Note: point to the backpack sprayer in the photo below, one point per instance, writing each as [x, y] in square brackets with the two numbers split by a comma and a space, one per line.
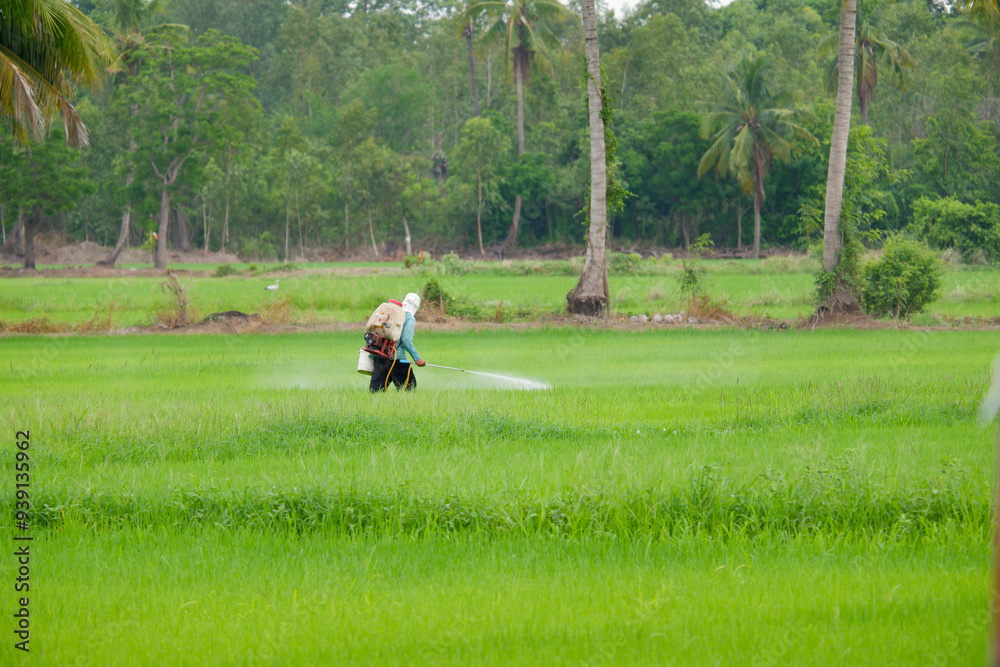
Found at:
[382, 333]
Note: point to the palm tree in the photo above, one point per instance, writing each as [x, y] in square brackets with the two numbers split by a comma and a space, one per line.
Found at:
[984, 12]
[871, 45]
[46, 46]
[525, 27]
[590, 296]
[841, 297]
[750, 129]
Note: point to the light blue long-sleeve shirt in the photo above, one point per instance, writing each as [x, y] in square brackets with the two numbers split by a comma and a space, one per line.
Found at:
[405, 341]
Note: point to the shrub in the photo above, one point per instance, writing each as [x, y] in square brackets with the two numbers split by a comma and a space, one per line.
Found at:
[623, 264]
[413, 261]
[949, 223]
[224, 270]
[452, 265]
[691, 280]
[434, 294]
[902, 282]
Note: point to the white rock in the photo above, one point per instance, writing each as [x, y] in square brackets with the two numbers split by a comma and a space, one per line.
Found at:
[657, 318]
[633, 320]
[692, 320]
[643, 319]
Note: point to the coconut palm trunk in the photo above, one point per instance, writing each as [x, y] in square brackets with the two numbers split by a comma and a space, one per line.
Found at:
[469, 32]
[832, 239]
[520, 64]
[479, 209]
[756, 225]
[590, 296]
[760, 169]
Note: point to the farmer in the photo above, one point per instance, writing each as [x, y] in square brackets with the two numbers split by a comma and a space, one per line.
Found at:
[398, 370]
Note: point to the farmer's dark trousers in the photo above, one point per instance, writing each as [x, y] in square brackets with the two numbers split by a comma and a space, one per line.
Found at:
[385, 373]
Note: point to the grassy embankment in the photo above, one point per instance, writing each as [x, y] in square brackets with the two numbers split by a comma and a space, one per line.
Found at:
[518, 291]
[679, 496]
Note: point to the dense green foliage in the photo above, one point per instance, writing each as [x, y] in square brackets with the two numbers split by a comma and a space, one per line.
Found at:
[972, 229]
[902, 281]
[362, 108]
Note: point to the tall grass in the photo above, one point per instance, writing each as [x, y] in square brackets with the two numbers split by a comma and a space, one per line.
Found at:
[218, 597]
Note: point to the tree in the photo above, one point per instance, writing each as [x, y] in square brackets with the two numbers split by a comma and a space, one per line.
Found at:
[46, 46]
[750, 129]
[526, 28]
[590, 296]
[379, 183]
[871, 45]
[661, 166]
[189, 95]
[129, 19]
[43, 179]
[958, 157]
[353, 125]
[837, 294]
[480, 150]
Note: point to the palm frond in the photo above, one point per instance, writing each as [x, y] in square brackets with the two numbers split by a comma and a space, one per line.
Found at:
[717, 155]
[984, 12]
[76, 132]
[17, 98]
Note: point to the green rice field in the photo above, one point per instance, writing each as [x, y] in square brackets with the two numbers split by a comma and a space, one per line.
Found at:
[678, 496]
[513, 291]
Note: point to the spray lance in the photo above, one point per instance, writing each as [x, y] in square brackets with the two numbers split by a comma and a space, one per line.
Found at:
[520, 383]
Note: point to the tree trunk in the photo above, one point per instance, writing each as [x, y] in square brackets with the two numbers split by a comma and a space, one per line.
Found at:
[122, 236]
[30, 225]
[183, 235]
[519, 82]
[469, 32]
[685, 224]
[127, 213]
[298, 217]
[17, 235]
[590, 296]
[756, 224]
[204, 221]
[406, 228]
[347, 238]
[511, 243]
[225, 224]
[160, 256]
[479, 210]
[832, 240]
[371, 230]
[740, 211]
[287, 224]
